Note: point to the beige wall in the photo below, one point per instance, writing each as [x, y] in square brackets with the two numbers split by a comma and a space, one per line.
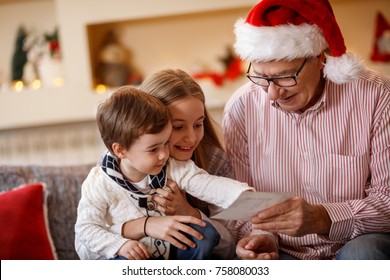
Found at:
[357, 20]
[76, 101]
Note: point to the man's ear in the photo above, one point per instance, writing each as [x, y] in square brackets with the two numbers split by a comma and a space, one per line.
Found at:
[119, 151]
[321, 59]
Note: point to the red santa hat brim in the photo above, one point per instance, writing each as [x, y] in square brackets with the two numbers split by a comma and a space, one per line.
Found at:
[271, 38]
[282, 42]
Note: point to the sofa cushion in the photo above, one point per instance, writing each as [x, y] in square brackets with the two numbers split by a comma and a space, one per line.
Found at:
[23, 219]
[64, 190]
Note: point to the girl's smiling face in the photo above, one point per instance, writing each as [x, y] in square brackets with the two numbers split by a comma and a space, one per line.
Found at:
[187, 117]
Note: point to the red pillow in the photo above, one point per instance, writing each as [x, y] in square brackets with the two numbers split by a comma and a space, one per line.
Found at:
[24, 233]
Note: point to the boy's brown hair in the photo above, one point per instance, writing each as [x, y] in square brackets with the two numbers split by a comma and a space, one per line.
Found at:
[127, 114]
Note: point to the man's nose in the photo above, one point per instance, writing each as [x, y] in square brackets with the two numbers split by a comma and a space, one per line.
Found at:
[274, 91]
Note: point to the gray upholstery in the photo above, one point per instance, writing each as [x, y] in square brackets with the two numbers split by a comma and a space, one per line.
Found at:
[64, 190]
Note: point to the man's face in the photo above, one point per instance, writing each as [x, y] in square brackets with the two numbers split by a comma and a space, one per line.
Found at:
[295, 98]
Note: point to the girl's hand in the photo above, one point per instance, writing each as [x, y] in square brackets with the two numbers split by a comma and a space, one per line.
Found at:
[171, 201]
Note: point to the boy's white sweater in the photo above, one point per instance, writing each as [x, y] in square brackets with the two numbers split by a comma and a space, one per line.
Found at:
[105, 206]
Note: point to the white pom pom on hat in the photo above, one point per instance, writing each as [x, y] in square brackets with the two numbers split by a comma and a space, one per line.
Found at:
[290, 29]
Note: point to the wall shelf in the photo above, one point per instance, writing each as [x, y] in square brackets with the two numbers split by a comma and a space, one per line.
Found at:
[191, 35]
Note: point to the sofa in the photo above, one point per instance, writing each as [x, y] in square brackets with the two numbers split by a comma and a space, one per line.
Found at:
[62, 191]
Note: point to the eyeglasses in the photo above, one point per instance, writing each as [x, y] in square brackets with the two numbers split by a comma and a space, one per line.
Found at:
[288, 81]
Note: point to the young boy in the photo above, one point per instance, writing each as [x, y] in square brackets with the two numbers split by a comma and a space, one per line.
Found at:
[135, 128]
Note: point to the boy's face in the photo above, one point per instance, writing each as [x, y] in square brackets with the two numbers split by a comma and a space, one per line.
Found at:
[147, 155]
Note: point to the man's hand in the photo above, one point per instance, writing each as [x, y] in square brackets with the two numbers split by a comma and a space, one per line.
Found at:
[257, 247]
[294, 217]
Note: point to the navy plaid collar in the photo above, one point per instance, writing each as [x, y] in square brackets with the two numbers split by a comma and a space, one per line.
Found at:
[110, 166]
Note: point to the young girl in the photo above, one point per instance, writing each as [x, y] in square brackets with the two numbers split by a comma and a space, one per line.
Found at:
[193, 137]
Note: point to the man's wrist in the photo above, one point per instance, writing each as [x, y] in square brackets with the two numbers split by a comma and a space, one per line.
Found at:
[324, 221]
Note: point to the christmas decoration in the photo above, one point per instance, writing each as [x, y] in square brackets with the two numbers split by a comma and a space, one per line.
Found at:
[381, 47]
[114, 68]
[19, 58]
[232, 65]
[53, 44]
[50, 66]
[34, 45]
[232, 69]
[36, 60]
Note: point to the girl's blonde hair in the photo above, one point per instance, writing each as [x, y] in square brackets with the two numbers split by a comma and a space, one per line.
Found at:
[171, 85]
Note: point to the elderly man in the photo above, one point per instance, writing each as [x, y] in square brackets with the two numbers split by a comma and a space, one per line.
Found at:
[314, 121]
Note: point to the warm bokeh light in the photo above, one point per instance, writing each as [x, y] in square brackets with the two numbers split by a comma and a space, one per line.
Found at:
[36, 84]
[101, 89]
[18, 85]
[58, 82]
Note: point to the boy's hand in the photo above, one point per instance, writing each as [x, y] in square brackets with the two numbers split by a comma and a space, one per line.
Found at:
[171, 229]
[134, 250]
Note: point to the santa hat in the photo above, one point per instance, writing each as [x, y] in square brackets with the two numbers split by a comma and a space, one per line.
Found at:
[290, 29]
